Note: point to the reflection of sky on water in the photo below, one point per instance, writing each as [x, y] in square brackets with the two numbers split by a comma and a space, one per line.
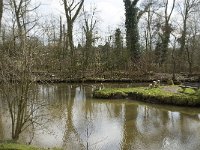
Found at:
[77, 120]
[80, 94]
[103, 130]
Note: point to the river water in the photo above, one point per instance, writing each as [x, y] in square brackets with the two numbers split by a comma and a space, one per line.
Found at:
[74, 120]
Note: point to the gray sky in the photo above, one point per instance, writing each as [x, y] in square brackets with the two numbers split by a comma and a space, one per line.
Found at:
[111, 12]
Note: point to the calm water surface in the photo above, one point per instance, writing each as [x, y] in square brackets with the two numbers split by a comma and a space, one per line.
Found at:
[74, 120]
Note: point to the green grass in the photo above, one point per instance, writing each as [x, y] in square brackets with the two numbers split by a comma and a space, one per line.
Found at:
[12, 146]
[154, 95]
[188, 91]
[16, 146]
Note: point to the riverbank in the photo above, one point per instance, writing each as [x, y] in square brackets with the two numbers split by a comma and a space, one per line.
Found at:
[171, 95]
[55, 77]
[59, 77]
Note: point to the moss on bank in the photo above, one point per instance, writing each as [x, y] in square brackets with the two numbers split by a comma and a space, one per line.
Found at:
[16, 146]
[154, 95]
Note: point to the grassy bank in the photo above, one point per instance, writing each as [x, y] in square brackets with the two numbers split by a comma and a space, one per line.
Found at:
[172, 95]
[16, 146]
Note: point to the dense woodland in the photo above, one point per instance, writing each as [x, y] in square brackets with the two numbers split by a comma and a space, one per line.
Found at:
[156, 36]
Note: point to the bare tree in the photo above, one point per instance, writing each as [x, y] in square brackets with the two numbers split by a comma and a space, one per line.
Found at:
[1, 14]
[72, 10]
[192, 42]
[167, 28]
[186, 8]
[173, 54]
[16, 71]
[164, 31]
[150, 23]
[89, 25]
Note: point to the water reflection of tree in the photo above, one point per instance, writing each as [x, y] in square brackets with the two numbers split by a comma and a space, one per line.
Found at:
[55, 96]
[146, 126]
[143, 126]
[156, 125]
[185, 131]
[129, 135]
[61, 105]
[71, 137]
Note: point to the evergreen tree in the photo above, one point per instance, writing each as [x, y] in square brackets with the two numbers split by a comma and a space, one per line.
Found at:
[118, 48]
[118, 39]
[132, 34]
